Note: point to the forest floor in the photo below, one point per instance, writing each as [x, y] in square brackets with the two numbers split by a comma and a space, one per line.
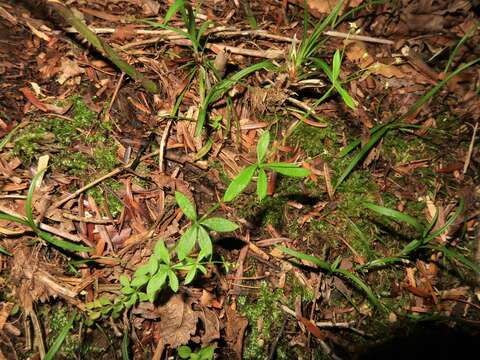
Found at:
[239, 179]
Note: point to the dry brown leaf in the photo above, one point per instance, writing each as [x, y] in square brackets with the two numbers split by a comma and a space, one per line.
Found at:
[69, 69]
[178, 322]
[211, 324]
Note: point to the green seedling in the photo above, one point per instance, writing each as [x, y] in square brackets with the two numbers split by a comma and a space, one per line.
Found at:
[424, 240]
[241, 181]
[310, 44]
[222, 87]
[197, 232]
[192, 33]
[206, 353]
[30, 221]
[333, 76]
[335, 270]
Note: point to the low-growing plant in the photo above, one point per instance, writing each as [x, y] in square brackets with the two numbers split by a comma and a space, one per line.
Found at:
[206, 353]
[30, 222]
[333, 75]
[197, 232]
[424, 239]
[241, 181]
[335, 270]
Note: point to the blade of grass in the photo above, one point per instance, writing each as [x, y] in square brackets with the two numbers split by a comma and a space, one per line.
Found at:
[456, 256]
[396, 215]
[358, 283]
[217, 91]
[52, 352]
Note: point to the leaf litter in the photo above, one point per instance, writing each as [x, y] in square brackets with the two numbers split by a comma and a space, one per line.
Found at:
[205, 83]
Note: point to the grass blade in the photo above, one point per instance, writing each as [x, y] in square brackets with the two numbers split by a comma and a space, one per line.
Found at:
[396, 215]
[359, 284]
[299, 255]
[456, 256]
[361, 154]
[50, 355]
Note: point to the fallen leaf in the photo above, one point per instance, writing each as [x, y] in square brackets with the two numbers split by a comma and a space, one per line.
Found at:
[178, 322]
[68, 69]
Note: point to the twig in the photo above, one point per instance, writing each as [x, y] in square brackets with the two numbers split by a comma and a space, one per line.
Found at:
[163, 143]
[470, 149]
[358, 37]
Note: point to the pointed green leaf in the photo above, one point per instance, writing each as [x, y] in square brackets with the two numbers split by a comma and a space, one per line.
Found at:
[345, 96]
[190, 275]
[124, 280]
[337, 61]
[141, 270]
[220, 224]
[187, 242]
[186, 206]
[288, 169]
[262, 184]
[152, 265]
[139, 281]
[161, 252]
[204, 242]
[396, 215]
[173, 281]
[239, 183]
[262, 146]
[155, 284]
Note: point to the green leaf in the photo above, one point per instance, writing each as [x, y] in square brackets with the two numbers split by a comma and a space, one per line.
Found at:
[155, 284]
[4, 252]
[184, 352]
[357, 282]
[161, 252]
[62, 244]
[396, 215]
[262, 146]
[141, 270]
[186, 206]
[57, 344]
[177, 4]
[447, 224]
[127, 290]
[139, 281]
[187, 242]
[125, 344]
[239, 183]
[337, 61]
[456, 256]
[8, 217]
[204, 242]
[262, 184]
[219, 224]
[173, 281]
[152, 265]
[345, 96]
[320, 263]
[288, 169]
[375, 137]
[124, 280]
[190, 275]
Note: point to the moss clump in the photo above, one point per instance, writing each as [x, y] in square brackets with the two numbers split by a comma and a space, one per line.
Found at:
[262, 328]
[115, 206]
[314, 141]
[80, 146]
